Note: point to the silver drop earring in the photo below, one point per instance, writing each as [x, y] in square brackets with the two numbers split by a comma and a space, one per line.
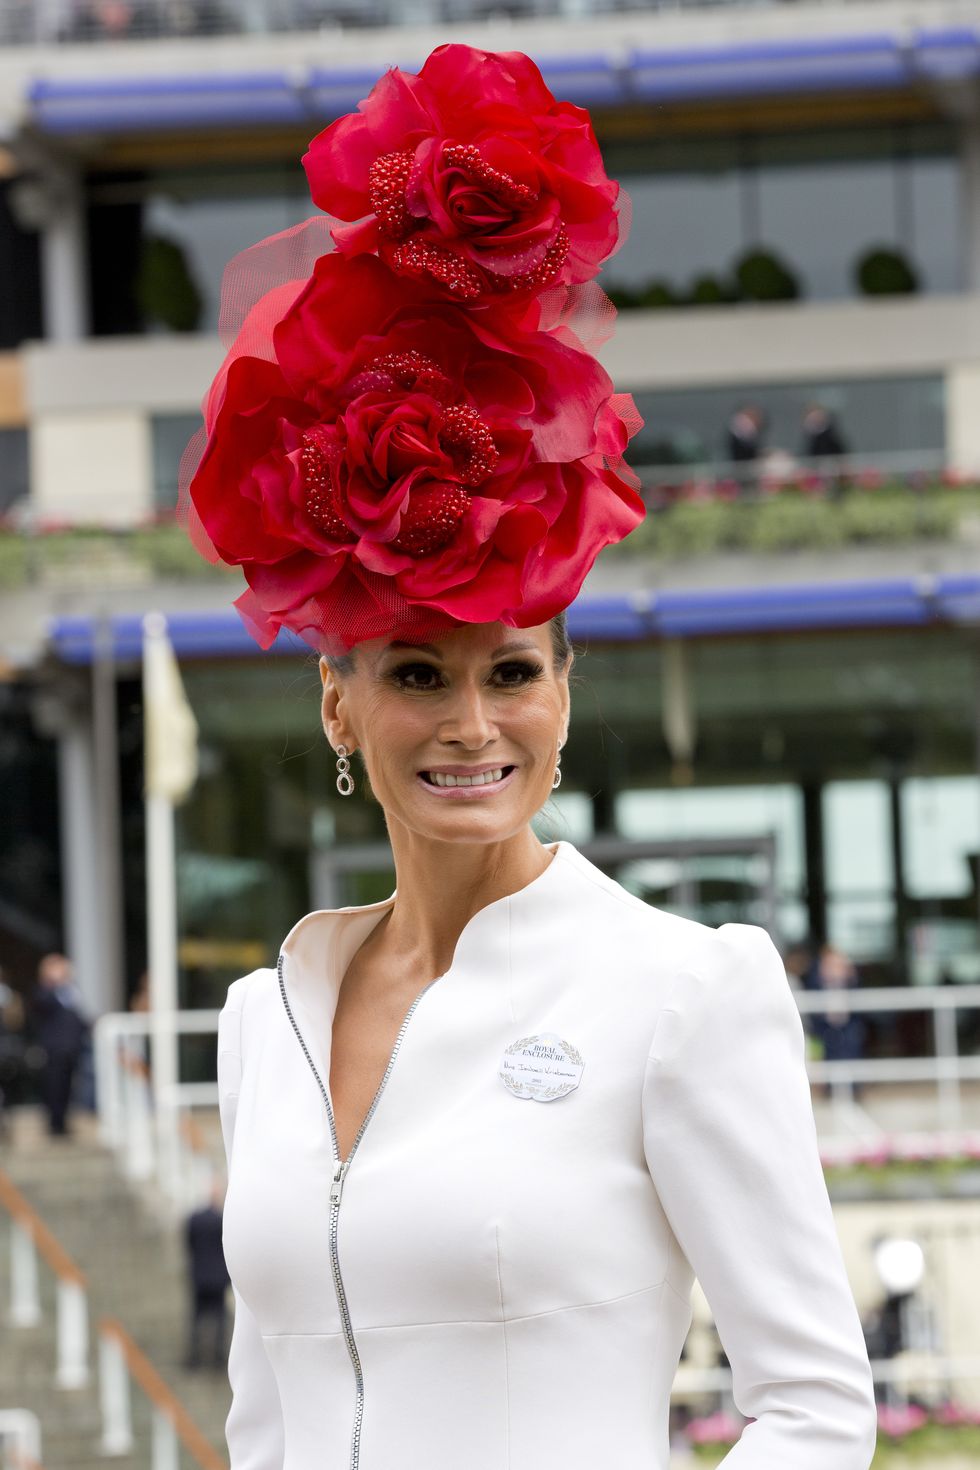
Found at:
[345, 781]
[557, 781]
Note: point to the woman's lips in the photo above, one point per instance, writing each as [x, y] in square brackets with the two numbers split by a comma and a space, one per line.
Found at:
[469, 793]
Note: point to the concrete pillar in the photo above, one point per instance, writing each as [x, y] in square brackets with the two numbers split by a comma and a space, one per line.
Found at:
[91, 910]
[64, 256]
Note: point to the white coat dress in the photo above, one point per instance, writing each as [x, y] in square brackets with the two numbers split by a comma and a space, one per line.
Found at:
[501, 1281]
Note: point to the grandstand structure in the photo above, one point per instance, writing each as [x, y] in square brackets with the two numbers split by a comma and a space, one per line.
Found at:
[779, 718]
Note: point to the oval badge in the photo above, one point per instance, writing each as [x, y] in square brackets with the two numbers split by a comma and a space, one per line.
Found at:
[543, 1067]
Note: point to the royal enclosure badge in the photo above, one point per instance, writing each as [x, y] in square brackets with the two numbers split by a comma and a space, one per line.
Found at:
[542, 1067]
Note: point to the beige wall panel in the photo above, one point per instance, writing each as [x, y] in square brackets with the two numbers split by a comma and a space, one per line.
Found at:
[963, 416]
[701, 346]
[92, 467]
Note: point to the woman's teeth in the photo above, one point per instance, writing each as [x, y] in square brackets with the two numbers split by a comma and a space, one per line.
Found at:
[483, 779]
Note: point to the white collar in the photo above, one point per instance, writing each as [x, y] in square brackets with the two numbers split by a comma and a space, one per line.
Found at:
[318, 949]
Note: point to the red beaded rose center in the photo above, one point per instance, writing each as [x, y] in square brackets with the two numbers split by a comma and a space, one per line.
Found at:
[434, 508]
[416, 253]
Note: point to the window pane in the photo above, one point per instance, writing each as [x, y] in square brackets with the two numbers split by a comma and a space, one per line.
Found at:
[14, 476]
[683, 226]
[171, 433]
[742, 811]
[941, 833]
[821, 217]
[856, 837]
[934, 196]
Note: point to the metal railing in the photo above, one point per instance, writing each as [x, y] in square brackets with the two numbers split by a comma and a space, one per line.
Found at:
[43, 22]
[152, 1148]
[944, 1071]
[915, 469]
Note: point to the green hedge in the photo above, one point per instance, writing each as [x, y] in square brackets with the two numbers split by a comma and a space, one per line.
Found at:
[791, 521]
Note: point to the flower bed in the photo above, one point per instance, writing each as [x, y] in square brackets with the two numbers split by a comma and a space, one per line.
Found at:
[909, 1437]
[698, 518]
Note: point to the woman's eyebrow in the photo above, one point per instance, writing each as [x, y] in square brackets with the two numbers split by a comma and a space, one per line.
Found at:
[399, 647]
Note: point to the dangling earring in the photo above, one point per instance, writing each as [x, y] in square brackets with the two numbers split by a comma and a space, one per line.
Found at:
[345, 781]
[557, 781]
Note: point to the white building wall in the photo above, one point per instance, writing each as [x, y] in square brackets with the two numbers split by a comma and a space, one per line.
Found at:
[92, 466]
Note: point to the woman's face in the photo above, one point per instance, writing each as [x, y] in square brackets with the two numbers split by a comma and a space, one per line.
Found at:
[459, 736]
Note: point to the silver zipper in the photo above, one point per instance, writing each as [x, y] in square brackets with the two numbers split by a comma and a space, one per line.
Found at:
[340, 1168]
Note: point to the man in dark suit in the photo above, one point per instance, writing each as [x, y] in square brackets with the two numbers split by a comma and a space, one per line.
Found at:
[60, 1027]
[209, 1280]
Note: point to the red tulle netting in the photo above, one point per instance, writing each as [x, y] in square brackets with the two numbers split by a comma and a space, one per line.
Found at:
[383, 460]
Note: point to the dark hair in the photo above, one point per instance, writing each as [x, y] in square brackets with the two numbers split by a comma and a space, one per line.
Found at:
[561, 648]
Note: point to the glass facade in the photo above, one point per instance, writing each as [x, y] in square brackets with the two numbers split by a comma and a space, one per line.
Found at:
[816, 200]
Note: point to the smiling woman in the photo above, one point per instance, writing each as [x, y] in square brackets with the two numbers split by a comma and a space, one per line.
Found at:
[416, 460]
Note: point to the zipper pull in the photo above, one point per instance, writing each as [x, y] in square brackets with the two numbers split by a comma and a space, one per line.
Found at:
[339, 1175]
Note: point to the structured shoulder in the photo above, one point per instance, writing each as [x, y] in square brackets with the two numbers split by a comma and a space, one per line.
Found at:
[732, 979]
[255, 981]
[245, 998]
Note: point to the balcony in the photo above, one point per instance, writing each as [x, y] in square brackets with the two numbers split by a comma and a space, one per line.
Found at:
[45, 21]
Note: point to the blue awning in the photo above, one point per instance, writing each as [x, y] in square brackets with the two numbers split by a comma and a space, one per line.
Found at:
[881, 60]
[899, 602]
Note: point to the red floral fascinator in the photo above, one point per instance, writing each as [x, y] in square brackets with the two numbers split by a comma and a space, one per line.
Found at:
[385, 456]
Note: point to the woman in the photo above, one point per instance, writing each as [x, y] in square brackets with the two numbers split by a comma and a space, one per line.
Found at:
[482, 1135]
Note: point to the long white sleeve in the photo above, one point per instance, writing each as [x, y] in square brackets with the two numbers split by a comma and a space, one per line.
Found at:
[254, 1426]
[731, 1145]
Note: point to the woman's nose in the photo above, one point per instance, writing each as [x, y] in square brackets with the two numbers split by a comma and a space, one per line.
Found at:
[469, 720]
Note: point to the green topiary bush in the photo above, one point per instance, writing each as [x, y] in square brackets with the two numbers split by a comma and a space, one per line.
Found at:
[762, 276]
[165, 289]
[710, 291]
[885, 272]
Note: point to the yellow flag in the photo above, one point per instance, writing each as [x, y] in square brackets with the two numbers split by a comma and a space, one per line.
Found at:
[170, 729]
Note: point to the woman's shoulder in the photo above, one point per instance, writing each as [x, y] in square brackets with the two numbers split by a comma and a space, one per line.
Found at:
[245, 997]
[699, 956]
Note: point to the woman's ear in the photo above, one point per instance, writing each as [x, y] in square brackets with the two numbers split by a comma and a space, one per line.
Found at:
[333, 712]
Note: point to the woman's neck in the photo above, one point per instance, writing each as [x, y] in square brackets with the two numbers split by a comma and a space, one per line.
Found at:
[441, 885]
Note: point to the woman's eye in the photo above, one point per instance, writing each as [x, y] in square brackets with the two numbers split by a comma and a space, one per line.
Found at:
[518, 671]
[416, 676]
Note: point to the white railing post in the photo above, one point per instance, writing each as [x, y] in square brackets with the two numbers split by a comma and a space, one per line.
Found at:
[166, 1452]
[25, 1297]
[117, 1419]
[948, 1080]
[24, 1429]
[72, 1335]
[139, 1155]
[107, 1045]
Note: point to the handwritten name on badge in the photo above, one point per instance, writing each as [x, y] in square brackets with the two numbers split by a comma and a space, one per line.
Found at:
[542, 1067]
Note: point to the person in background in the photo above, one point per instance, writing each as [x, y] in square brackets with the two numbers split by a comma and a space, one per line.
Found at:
[209, 1280]
[746, 430]
[822, 437]
[841, 1033]
[61, 1028]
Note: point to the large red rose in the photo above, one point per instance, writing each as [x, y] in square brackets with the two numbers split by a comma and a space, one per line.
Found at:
[470, 175]
[381, 462]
